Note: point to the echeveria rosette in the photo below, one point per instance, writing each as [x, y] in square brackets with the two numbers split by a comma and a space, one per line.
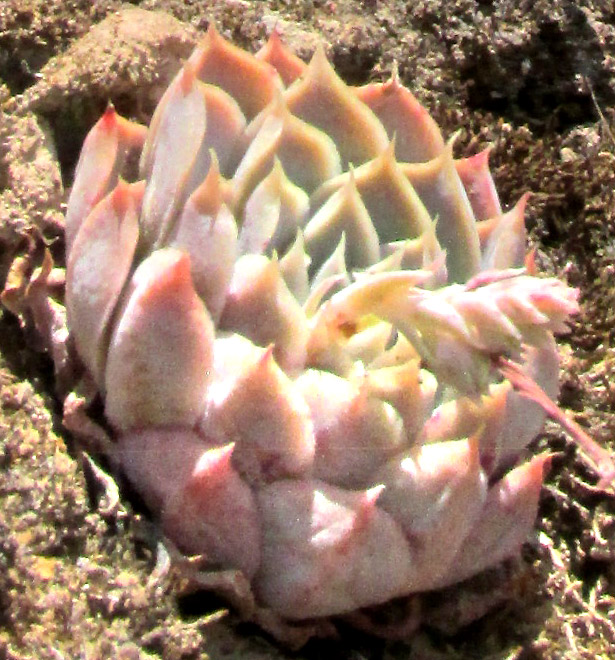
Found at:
[294, 319]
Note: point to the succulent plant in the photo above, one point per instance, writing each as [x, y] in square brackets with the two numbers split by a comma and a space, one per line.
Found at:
[298, 318]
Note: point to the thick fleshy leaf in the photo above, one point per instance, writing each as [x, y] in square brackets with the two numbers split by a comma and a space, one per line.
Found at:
[232, 354]
[158, 460]
[273, 213]
[200, 499]
[174, 147]
[343, 214]
[505, 522]
[284, 61]
[207, 231]
[329, 277]
[366, 341]
[99, 166]
[213, 513]
[323, 100]
[263, 413]
[417, 136]
[327, 550]
[410, 391]
[412, 254]
[476, 177]
[294, 269]
[260, 306]
[461, 417]
[160, 350]
[505, 245]
[441, 191]
[308, 155]
[395, 209]
[225, 126]
[98, 267]
[436, 493]
[355, 432]
[250, 81]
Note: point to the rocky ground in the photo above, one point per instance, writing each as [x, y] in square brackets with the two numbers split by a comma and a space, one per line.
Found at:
[534, 79]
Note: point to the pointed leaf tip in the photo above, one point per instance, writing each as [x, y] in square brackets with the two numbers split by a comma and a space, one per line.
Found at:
[366, 509]
[522, 203]
[207, 198]
[172, 271]
[266, 360]
[123, 197]
[108, 121]
[286, 63]
[212, 467]
[371, 496]
[187, 78]
[212, 32]
[319, 60]
[530, 262]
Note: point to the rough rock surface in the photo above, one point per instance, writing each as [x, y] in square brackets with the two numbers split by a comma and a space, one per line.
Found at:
[537, 80]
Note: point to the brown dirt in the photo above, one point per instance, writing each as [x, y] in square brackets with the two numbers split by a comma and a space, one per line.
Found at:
[535, 79]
